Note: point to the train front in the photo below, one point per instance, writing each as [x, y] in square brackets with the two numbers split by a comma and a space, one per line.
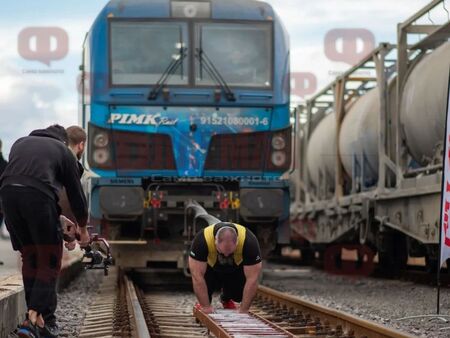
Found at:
[185, 100]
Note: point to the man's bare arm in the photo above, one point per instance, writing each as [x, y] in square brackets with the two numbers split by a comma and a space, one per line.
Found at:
[251, 273]
[198, 270]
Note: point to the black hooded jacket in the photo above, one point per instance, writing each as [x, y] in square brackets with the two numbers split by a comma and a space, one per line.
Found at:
[42, 161]
[3, 164]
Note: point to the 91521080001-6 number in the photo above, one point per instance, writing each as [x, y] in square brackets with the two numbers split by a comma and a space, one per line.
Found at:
[234, 121]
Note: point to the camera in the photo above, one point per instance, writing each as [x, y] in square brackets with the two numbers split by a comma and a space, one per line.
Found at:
[97, 255]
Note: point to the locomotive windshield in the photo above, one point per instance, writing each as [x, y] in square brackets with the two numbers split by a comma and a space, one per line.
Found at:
[142, 51]
[242, 53]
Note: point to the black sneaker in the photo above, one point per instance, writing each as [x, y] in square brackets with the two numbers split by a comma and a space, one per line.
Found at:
[49, 331]
[28, 330]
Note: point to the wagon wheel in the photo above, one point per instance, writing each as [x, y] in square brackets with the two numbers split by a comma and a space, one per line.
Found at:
[392, 253]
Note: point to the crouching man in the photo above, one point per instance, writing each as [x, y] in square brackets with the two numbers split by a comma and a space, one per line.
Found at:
[225, 257]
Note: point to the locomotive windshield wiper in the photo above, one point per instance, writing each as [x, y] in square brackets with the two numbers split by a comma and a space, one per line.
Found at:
[170, 70]
[206, 62]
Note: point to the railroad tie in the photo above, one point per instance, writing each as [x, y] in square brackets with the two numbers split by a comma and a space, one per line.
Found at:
[232, 324]
[107, 315]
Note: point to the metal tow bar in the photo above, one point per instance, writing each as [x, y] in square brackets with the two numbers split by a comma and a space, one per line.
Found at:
[231, 324]
[194, 214]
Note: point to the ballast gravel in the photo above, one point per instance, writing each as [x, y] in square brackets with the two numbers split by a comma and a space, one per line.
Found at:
[74, 301]
[383, 301]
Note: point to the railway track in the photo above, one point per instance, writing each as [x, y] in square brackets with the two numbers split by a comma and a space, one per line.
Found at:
[123, 310]
[109, 313]
[306, 319]
[169, 315]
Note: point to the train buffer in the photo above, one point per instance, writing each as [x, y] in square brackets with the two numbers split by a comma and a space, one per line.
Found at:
[230, 323]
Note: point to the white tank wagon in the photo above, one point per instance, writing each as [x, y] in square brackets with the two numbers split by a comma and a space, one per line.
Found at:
[381, 184]
[321, 154]
[357, 142]
[423, 106]
[413, 208]
[358, 139]
[422, 117]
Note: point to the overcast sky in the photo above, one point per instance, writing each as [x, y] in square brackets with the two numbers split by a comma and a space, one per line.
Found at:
[31, 99]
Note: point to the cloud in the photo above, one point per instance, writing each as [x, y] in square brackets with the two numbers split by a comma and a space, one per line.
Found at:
[30, 101]
[308, 22]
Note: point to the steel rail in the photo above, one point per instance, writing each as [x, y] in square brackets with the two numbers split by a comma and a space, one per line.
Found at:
[360, 327]
[138, 323]
[210, 324]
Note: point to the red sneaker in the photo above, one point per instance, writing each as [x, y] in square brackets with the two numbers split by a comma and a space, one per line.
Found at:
[229, 304]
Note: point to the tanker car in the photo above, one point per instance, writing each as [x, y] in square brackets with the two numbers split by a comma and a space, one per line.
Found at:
[185, 100]
[370, 168]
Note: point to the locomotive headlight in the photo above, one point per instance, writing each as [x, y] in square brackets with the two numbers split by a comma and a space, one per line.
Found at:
[191, 9]
[278, 142]
[279, 158]
[101, 140]
[101, 156]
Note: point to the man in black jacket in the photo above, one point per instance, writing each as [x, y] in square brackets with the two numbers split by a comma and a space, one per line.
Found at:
[39, 166]
[76, 137]
[3, 164]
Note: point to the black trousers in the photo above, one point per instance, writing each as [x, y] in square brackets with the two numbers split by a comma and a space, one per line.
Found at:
[230, 283]
[1, 217]
[32, 219]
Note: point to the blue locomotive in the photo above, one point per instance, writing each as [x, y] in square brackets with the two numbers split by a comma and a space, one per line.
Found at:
[186, 100]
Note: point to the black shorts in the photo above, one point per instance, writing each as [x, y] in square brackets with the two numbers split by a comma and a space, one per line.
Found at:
[231, 284]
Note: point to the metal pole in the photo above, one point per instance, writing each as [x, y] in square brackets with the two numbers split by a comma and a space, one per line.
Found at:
[438, 287]
[339, 91]
[379, 60]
